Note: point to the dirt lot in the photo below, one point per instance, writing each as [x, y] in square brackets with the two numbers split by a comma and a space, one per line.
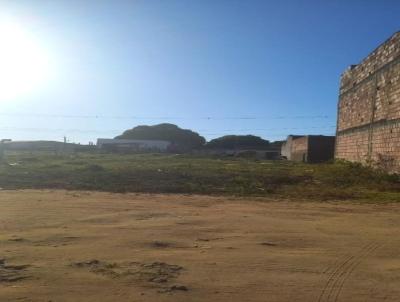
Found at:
[73, 246]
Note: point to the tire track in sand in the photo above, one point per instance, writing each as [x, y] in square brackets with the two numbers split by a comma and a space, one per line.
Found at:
[341, 273]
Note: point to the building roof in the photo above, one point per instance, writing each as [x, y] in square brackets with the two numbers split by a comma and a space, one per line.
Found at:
[294, 136]
[314, 136]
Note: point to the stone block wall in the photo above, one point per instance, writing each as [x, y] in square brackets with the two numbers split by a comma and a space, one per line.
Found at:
[368, 127]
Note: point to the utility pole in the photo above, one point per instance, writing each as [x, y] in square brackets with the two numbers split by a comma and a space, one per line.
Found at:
[64, 148]
[1, 150]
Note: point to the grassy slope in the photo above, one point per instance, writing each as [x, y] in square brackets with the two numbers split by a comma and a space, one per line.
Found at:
[188, 174]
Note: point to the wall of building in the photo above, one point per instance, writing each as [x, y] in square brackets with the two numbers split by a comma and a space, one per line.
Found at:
[286, 148]
[300, 149]
[39, 146]
[131, 144]
[368, 127]
[321, 148]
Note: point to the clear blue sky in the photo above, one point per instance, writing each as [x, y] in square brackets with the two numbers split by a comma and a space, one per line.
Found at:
[182, 61]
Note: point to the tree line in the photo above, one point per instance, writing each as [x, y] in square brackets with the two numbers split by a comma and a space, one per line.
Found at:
[186, 139]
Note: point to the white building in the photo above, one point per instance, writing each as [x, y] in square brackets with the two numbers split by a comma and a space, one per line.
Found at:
[111, 144]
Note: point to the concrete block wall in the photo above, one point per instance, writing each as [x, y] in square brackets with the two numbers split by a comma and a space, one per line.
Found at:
[368, 127]
[286, 148]
[300, 149]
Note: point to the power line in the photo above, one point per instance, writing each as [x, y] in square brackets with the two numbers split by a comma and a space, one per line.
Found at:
[120, 131]
[277, 117]
[268, 135]
[56, 130]
[277, 128]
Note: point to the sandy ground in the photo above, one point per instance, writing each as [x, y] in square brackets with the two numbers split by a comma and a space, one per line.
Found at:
[73, 246]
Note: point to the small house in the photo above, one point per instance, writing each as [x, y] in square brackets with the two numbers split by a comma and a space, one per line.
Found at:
[309, 148]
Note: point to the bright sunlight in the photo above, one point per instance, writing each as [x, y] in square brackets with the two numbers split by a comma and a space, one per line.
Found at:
[24, 64]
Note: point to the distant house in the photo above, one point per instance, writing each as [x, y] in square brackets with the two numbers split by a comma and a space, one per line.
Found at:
[309, 148]
[132, 145]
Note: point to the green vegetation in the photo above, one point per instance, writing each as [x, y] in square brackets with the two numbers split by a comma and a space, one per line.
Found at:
[238, 142]
[183, 139]
[161, 173]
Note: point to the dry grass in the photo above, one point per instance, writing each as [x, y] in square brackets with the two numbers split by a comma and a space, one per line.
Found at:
[157, 173]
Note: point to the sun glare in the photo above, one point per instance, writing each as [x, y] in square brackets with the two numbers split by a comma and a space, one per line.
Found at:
[24, 65]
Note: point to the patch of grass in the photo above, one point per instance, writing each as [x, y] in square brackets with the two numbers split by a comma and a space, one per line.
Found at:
[167, 173]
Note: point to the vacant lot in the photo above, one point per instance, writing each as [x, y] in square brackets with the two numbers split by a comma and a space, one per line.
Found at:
[86, 246]
[166, 173]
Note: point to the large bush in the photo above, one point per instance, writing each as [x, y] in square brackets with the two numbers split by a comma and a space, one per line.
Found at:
[240, 142]
[182, 139]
